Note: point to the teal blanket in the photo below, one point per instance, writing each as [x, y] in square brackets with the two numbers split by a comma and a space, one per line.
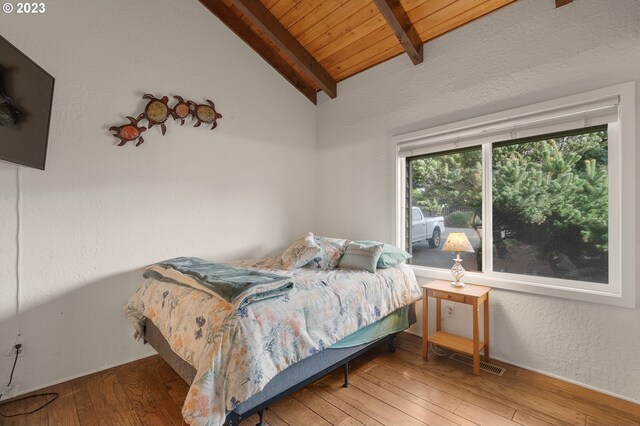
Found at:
[235, 285]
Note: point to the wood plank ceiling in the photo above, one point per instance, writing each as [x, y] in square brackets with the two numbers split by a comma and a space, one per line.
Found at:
[316, 43]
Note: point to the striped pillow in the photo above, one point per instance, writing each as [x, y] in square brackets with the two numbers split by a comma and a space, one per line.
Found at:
[361, 256]
[391, 255]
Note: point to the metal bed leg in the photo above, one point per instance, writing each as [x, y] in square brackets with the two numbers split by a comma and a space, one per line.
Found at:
[261, 414]
[346, 375]
[392, 347]
[233, 419]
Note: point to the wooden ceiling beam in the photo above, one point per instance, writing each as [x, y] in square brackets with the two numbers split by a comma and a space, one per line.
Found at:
[402, 27]
[560, 3]
[243, 31]
[269, 25]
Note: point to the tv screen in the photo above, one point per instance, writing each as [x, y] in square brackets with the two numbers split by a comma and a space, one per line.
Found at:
[26, 93]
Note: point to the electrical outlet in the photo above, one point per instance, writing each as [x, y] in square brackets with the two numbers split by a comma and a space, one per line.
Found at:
[450, 311]
[21, 340]
[9, 392]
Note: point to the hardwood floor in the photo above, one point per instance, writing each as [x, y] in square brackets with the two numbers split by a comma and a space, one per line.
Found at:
[385, 389]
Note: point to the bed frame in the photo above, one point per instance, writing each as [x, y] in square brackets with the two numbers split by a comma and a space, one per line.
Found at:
[284, 383]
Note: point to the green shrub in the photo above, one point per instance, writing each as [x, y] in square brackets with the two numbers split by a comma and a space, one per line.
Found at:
[458, 220]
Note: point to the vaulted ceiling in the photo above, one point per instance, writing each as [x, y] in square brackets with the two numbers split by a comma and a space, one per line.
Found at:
[316, 43]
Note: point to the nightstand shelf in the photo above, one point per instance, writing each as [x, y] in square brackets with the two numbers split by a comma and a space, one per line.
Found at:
[473, 295]
[453, 342]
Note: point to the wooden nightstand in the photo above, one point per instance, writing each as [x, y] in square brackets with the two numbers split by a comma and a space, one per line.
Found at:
[474, 295]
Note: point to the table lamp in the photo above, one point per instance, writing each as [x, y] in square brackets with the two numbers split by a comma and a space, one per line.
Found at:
[457, 242]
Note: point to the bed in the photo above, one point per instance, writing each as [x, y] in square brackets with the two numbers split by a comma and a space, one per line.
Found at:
[240, 361]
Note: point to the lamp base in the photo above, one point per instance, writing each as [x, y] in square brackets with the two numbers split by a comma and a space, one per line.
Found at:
[457, 271]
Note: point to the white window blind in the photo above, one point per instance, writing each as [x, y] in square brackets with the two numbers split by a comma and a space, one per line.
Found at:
[568, 117]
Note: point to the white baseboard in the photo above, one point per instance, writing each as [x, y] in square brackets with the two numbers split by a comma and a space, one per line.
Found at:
[75, 376]
[565, 379]
[535, 370]
[555, 376]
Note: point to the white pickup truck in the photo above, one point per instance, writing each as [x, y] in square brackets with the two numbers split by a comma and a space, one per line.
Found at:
[426, 228]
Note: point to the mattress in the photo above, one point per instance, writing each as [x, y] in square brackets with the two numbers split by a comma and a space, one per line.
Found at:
[393, 323]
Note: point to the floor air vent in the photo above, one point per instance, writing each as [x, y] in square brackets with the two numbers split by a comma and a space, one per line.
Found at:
[484, 366]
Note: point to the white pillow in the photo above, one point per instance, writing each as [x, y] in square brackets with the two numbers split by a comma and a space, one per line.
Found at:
[332, 250]
[300, 252]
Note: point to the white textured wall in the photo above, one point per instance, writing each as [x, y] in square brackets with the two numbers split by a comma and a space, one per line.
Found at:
[525, 53]
[100, 212]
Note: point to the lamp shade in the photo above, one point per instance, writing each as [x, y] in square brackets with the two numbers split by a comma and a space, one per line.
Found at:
[457, 241]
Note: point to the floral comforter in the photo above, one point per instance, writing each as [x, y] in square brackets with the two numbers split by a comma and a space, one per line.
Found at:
[237, 352]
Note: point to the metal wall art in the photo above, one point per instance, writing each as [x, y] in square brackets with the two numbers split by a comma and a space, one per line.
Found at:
[157, 111]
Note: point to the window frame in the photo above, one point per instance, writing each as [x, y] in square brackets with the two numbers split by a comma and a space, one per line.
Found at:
[620, 290]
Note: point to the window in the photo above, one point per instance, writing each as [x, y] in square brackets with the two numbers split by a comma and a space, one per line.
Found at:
[550, 206]
[416, 215]
[538, 192]
[447, 189]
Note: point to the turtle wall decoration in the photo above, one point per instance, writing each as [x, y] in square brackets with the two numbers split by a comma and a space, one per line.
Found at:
[129, 132]
[157, 111]
[204, 113]
[181, 110]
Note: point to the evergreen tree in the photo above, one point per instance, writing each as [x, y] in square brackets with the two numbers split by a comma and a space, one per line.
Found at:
[552, 191]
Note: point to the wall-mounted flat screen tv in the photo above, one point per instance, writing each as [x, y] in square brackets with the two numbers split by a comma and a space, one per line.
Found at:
[26, 93]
